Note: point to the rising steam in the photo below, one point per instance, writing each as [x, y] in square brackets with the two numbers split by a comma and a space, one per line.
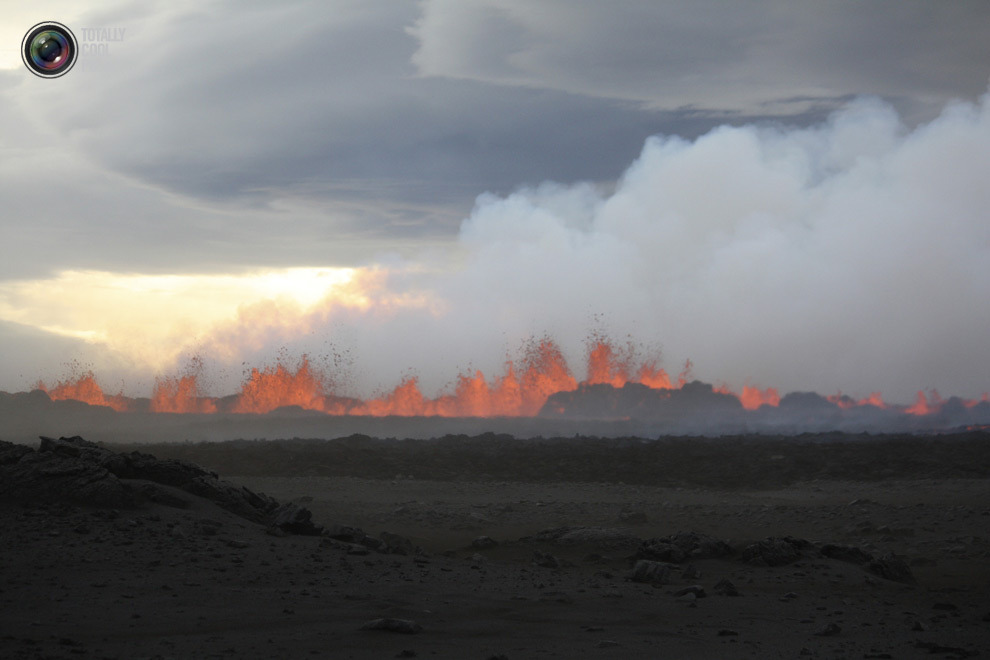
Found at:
[853, 255]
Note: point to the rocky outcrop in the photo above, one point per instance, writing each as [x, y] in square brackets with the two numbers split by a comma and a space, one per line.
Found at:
[293, 518]
[682, 546]
[651, 572]
[771, 551]
[637, 401]
[891, 568]
[776, 551]
[79, 471]
[46, 476]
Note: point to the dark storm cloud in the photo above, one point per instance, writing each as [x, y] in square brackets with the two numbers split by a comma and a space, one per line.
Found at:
[729, 55]
[302, 98]
[279, 135]
[230, 133]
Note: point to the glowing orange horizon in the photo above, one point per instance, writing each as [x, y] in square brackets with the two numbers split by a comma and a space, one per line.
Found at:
[521, 390]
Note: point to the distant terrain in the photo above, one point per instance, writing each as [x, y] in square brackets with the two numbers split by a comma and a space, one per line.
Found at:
[602, 410]
[751, 461]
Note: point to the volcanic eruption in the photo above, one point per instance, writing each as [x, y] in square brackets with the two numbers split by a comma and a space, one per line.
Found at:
[617, 385]
[784, 261]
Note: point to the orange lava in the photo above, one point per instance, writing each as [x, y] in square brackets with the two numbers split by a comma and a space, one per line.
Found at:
[605, 366]
[753, 397]
[520, 391]
[969, 403]
[925, 406]
[405, 400]
[180, 395]
[843, 401]
[273, 387]
[652, 376]
[84, 388]
[542, 372]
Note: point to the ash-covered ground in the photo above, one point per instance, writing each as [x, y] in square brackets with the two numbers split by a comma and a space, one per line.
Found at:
[820, 545]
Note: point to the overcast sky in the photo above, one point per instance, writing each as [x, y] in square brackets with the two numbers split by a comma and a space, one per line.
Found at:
[413, 141]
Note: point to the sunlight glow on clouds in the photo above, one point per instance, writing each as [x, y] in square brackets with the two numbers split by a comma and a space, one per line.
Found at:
[152, 318]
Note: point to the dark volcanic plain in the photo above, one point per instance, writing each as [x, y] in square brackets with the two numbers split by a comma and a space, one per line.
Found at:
[487, 546]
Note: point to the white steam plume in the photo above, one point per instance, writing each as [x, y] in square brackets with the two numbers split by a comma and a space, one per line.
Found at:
[853, 255]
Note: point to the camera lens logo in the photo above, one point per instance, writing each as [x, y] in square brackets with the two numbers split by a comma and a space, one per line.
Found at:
[49, 49]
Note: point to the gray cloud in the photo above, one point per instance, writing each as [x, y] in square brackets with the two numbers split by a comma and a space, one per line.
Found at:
[744, 56]
[256, 104]
[306, 98]
[184, 148]
[195, 143]
[217, 139]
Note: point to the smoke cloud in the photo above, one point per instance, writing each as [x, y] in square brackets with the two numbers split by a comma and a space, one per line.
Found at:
[851, 255]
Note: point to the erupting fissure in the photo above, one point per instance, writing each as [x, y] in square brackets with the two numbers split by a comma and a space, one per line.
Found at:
[753, 397]
[84, 388]
[181, 394]
[521, 391]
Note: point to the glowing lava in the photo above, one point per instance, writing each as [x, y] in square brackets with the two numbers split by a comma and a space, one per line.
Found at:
[84, 388]
[520, 391]
[274, 387]
[846, 402]
[181, 394]
[753, 397]
[925, 406]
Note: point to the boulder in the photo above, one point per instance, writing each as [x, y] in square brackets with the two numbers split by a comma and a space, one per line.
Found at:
[891, 568]
[829, 630]
[483, 543]
[395, 544]
[404, 626]
[345, 533]
[695, 590]
[725, 588]
[660, 550]
[651, 572]
[546, 560]
[775, 551]
[293, 518]
[11, 453]
[42, 477]
[683, 545]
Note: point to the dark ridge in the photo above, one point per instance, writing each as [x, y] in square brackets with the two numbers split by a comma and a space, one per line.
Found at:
[601, 410]
[74, 470]
[745, 461]
[637, 401]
